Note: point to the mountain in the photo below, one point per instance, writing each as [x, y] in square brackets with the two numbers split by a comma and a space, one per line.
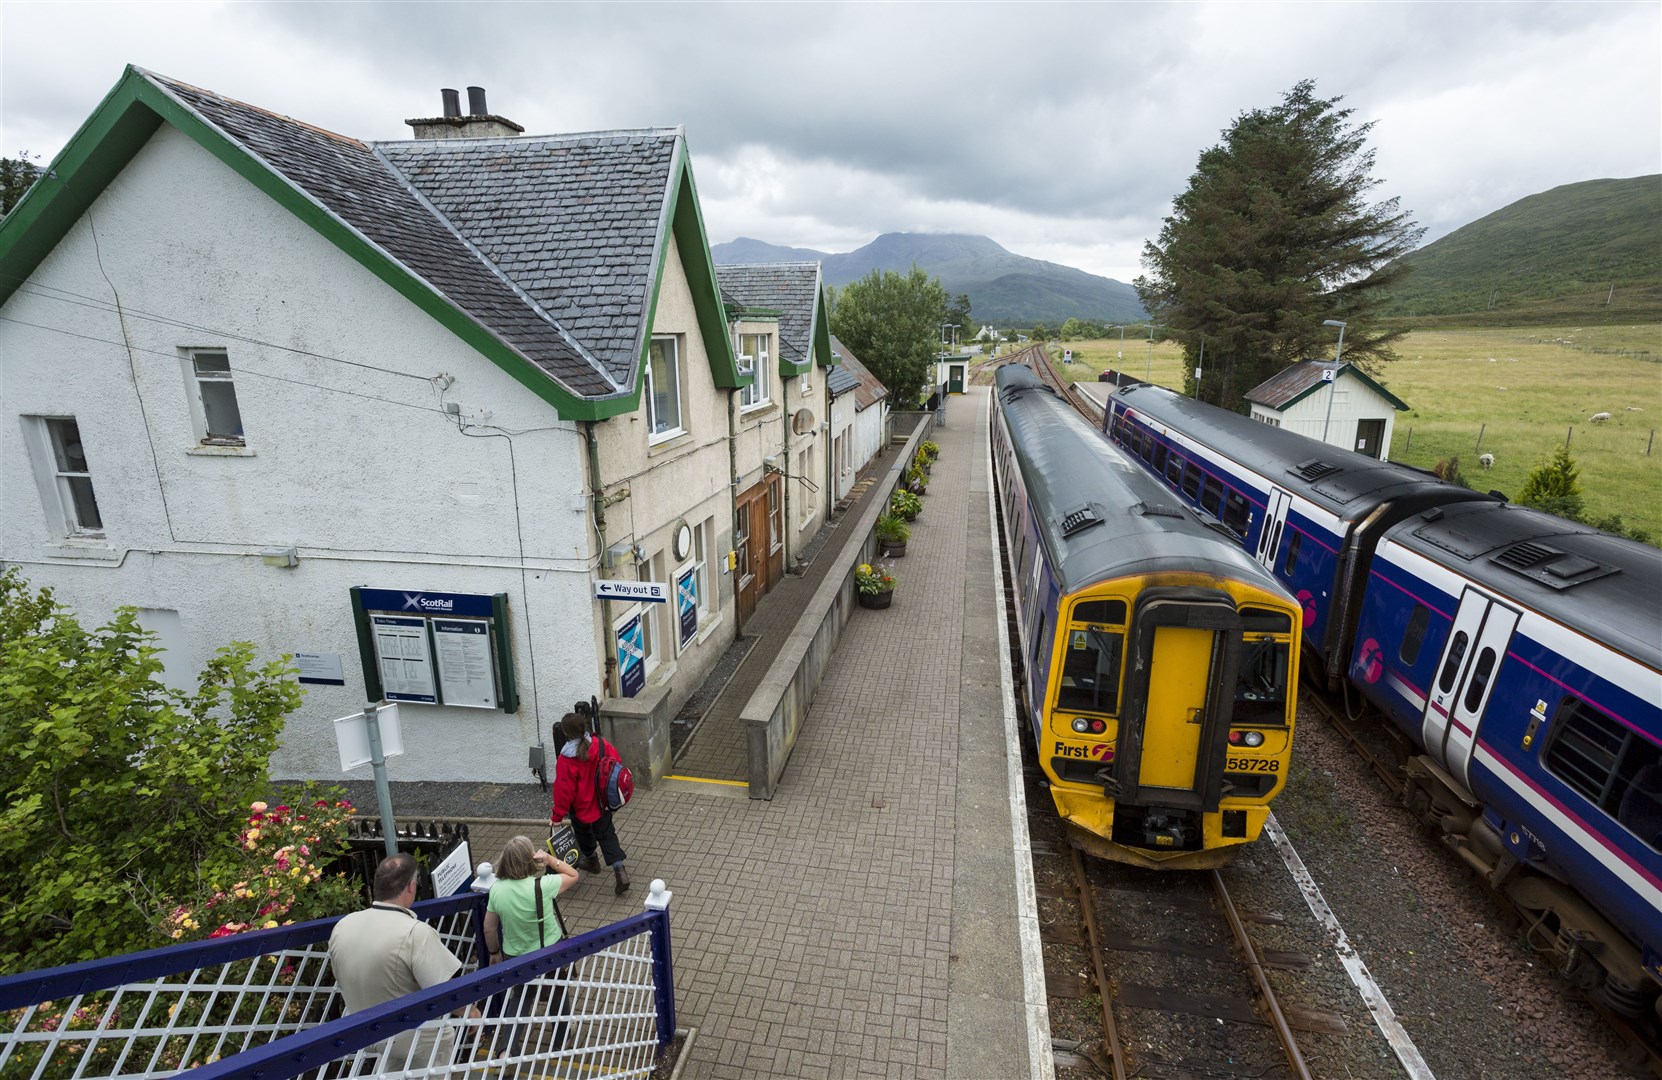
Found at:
[1593, 248]
[1003, 287]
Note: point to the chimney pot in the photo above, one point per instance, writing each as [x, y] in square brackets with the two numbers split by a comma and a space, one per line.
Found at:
[452, 102]
[476, 101]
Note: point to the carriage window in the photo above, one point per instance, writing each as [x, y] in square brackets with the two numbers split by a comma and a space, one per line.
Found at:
[1451, 667]
[1159, 457]
[1091, 670]
[1294, 538]
[1191, 481]
[1148, 446]
[1235, 512]
[1100, 611]
[1211, 498]
[1174, 469]
[1611, 765]
[1480, 679]
[1414, 636]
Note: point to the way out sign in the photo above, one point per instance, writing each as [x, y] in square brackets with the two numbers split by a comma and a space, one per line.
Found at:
[634, 592]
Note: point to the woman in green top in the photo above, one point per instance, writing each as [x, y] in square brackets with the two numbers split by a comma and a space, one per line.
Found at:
[514, 926]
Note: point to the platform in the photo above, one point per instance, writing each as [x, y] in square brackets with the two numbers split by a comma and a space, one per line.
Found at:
[875, 918]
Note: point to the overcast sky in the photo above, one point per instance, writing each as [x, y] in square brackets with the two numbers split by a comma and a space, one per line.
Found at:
[1062, 131]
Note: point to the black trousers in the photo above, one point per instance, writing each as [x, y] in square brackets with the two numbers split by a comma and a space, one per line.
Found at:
[602, 833]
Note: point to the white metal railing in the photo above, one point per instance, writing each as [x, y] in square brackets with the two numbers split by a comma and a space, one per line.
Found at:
[265, 1004]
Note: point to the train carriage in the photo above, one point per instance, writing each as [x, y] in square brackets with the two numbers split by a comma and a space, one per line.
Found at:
[1161, 661]
[1522, 653]
[1309, 512]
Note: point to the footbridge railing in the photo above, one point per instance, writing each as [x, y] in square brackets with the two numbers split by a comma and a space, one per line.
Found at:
[265, 1005]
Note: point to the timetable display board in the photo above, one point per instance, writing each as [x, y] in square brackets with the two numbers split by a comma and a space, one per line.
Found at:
[431, 648]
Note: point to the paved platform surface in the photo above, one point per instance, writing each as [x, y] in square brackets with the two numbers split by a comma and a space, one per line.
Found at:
[874, 918]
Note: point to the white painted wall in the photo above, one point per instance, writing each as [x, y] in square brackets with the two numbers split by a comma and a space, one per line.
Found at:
[350, 457]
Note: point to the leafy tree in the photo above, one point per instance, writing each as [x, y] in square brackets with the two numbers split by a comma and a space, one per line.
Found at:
[1274, 235]
[958, 312]
[892, 322]
[16, 174]
[1555, 486]
[119, 793]
[1041, 332]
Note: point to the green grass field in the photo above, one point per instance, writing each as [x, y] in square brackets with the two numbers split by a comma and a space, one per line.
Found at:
[1524, 389]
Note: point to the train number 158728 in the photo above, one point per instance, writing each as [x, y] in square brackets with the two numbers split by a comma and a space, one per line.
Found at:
[1253, 764]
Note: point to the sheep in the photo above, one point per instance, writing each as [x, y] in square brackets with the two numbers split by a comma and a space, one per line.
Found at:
[1486, 460]
[1598, 418]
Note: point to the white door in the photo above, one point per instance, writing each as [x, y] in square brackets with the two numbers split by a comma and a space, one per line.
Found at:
[1275, 522]
[1464, 679]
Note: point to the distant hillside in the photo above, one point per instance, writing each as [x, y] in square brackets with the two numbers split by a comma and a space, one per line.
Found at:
[1550, 256]
[1003, 287]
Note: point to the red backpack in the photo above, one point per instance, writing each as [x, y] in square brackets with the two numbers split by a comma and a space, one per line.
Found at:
[614, 784]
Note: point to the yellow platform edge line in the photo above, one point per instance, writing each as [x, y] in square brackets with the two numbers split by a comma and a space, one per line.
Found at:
[704, 780]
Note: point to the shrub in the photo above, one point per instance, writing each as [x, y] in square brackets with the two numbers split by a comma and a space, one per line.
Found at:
[891, 529]
[932, 449]
[905, 504]
[1554, 486]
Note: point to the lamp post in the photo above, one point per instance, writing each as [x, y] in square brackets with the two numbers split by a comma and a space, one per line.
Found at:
[1119, 361]
[1148, 372]
[1333, 382]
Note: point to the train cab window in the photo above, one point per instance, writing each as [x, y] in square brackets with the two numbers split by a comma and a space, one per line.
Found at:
[1451, 666]
[1100, 611]
[1414, 636]
[1211, 496]
[1091, 669]
[1191, 481]
[1235, 513]
[1159, 457]
[1611, 765]
[1174, 469]
[1261, 683]
[1294, 541]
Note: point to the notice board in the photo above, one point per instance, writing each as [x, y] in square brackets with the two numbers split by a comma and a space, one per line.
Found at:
[433, 648]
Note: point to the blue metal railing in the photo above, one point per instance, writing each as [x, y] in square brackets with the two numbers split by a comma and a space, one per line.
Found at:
[264, 1005]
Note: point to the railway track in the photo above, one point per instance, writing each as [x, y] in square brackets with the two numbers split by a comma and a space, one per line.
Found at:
[1193, 999]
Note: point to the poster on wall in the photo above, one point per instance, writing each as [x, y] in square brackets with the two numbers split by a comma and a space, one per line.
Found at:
[465, 674]
[686, 603]
[404, 660]
[631, 658]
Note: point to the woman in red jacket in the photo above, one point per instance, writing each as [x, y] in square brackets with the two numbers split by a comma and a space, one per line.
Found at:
[576, 792]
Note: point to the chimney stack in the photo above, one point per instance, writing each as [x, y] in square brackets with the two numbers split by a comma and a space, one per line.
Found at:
[479, 123]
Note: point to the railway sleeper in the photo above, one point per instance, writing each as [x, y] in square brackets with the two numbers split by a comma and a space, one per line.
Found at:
[1590, 953]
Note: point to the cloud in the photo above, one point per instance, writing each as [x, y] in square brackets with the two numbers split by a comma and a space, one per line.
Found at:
[1063, 131]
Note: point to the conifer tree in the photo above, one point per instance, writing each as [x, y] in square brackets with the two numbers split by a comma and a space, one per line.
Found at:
[1273, 236]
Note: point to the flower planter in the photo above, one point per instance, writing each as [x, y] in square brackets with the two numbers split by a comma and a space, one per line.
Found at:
[876, 601]
[897, 551]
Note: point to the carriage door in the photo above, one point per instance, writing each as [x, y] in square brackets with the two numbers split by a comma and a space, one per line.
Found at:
[1465, 677]
[1275, 521]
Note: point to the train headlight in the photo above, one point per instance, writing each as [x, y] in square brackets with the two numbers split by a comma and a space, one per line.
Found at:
[1084, 725]
[1252, 738]
[1081, 725]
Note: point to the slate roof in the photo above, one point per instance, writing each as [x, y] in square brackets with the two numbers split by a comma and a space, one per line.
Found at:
[867, 390]
[791, 289]
[550, 243]
[1296, 382]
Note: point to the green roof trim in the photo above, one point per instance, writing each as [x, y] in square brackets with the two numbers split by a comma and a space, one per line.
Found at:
[821, 334]
[137, 106]
[1397, 403]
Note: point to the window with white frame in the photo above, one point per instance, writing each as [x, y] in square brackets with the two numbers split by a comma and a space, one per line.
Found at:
[697, 568]
[663, 389]
[651, 617]
[703, 543]
[213, 398]
[64, 477]
[805, 384]
[755, 351]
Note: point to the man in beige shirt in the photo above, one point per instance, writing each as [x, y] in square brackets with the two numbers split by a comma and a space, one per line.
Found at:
[384, 952]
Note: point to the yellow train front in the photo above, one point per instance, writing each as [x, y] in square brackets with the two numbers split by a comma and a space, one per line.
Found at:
[1160, 659]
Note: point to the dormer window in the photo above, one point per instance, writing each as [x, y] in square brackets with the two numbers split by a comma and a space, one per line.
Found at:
[755, 354]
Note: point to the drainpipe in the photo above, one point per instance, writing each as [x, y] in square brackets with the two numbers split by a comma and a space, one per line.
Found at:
[599, 501]
[785, 525]
[733, 466]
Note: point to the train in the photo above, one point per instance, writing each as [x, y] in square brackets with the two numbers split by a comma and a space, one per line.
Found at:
[1517, 653]
[1160, 663]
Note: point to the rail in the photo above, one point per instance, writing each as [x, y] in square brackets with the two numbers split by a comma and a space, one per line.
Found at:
[265, 1005]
